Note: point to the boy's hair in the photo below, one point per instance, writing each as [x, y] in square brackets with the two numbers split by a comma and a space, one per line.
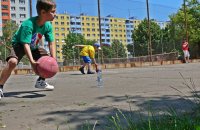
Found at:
[45, 5]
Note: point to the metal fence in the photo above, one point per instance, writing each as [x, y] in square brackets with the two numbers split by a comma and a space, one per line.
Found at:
[157, 57]
[75, 62]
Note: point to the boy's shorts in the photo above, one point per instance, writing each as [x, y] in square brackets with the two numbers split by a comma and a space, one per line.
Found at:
[186, 53]
[18, 53]
[86, 59]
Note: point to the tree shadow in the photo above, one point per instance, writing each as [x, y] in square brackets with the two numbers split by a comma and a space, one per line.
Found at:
[101, 113]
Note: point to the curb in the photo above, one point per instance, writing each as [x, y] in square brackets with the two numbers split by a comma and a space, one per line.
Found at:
[109, 66]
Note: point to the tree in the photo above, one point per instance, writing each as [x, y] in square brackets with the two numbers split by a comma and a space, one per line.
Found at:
[71, 40]
[140, 37]
[130, 48]
[192, 19]
[118, 49]
[8, 31]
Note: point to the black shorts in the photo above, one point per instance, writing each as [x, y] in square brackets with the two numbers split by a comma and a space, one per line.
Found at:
[18, 53]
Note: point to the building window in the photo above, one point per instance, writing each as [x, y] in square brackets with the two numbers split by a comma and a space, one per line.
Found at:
[13, 1]
[13, 8]
[5, 14]
[13, 15]
[63, 29]
[4, 7]
[62, 23]
[57, 29]
[22, 15]
[21, 1]
[22, 8]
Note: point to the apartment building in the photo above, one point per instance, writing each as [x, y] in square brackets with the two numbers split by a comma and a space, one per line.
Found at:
[5, 11]
[162, 24]
[88, 26]
[61, 27]
[19, 10]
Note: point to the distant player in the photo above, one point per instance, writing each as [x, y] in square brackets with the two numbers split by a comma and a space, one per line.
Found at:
[185, 48]
[26, 39]
[88, 55]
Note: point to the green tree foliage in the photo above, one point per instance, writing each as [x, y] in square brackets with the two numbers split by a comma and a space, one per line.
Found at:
[130, 48]
[71, 40]
[118, 50]
[107, 51]
[8, 31]
[192, 15]
[140, 36]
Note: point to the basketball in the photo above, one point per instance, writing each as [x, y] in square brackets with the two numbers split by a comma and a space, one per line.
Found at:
[47, 67]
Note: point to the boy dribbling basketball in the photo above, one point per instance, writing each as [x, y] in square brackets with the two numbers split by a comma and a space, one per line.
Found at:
[26, 42]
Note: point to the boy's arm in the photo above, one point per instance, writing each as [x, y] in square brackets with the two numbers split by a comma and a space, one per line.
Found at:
[28, 53]
[52, 49]
[30, 56]
[96, 65]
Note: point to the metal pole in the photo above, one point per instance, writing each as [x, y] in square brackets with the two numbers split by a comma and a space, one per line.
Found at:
[100, 38]
[185, 15]
[30, 3]
[149, 33]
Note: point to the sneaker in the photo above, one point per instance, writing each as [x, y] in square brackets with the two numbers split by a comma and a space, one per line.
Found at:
[90, 72]
[1, 94]
[82, 70]
[41, 84]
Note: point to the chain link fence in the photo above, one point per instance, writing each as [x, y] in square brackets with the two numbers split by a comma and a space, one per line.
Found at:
[157, 57]
[74, 62]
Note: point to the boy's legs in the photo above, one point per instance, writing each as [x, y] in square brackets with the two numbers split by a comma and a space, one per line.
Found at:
[12, 60]
[87, 61]
[186, 56]
[41, 83]
[89, 69]
[6, 72]
[82, 68]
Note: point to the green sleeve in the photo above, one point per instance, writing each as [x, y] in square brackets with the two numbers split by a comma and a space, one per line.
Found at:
[49, 34]
[25, 34]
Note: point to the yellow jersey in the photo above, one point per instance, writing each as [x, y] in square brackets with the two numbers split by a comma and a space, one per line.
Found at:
[88, 50]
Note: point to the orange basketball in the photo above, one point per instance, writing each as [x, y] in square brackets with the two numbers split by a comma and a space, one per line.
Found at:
[47, 67]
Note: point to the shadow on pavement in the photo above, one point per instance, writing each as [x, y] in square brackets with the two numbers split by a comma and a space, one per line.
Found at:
[25, 94]
[101, 113]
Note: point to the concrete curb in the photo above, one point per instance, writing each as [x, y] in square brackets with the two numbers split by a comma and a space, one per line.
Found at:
[109, 66]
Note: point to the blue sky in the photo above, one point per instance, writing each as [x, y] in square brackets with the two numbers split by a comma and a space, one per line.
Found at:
[159, 9]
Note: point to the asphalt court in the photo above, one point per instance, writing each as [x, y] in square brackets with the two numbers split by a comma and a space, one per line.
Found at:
[77, 98]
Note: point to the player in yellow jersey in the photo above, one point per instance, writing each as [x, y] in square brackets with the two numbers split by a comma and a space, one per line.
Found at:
[88, 55]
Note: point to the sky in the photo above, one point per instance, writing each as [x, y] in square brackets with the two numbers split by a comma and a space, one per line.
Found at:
[158, 9]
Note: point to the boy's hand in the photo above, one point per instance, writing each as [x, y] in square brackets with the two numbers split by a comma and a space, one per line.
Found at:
[96, 66]
[34, 66]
